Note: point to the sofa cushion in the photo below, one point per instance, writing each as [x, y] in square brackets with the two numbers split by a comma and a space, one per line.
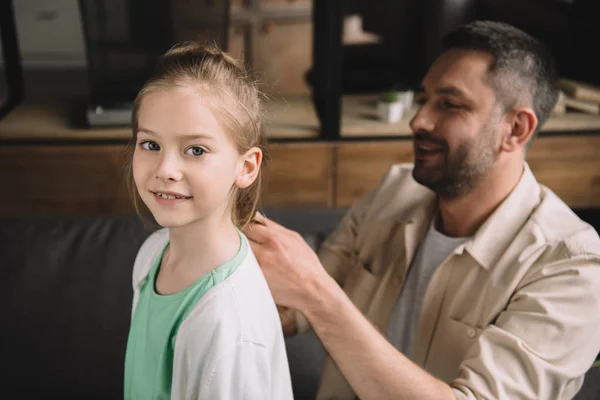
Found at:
[66, 302]
[67, 296]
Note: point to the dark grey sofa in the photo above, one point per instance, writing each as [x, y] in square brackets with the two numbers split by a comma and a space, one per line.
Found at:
[65, 305]
[66, 300]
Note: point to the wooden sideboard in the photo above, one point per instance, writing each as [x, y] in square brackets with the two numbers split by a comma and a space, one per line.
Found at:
[47, 167]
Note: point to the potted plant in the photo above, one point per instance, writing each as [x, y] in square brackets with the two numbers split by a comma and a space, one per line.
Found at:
[390, 108]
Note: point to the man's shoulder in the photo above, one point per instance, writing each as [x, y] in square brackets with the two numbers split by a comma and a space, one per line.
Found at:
[398, 174]
[398, 192]
[560, 225]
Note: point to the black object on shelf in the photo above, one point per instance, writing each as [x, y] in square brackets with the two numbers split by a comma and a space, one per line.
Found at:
[123, 39]
[11, 58]
[326, 75]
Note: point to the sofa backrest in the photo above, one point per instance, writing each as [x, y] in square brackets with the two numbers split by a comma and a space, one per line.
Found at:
[66, 303]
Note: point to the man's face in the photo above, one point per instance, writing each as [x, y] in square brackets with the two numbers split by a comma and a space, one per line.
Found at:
[456, 138]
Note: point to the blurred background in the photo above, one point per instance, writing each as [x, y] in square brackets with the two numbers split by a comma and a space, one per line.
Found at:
[102, 50]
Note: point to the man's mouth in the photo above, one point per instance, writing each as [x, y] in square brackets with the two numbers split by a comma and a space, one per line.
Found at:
[425, 145]
[423, 148]
[428, 149]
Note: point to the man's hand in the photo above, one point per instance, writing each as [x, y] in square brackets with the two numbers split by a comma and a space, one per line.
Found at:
[288, 320]
[289, 264]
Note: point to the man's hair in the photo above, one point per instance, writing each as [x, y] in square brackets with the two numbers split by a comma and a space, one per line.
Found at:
[523, 71]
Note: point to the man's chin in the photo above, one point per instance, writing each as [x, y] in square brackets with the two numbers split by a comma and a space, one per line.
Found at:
[423, 174]
[426, 177]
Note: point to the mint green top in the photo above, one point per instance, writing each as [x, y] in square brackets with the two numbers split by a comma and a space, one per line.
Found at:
[154, 327]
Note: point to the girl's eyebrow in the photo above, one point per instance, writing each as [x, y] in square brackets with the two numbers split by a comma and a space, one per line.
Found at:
[192, 136]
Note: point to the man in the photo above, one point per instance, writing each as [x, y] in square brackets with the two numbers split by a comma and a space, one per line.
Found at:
[461, 276]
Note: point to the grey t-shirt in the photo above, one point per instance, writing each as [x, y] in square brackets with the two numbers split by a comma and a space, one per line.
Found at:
[405, 316]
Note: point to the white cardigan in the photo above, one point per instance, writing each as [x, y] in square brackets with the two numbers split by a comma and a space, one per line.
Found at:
[231, 344]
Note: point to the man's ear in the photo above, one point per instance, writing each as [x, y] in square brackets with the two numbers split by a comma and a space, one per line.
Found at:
[249, 168]
[520, 125]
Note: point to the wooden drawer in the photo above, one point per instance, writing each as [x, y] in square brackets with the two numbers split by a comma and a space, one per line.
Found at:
[62, 180]
[299, 175]
[89, 179]
[361, 165]
[570, 166]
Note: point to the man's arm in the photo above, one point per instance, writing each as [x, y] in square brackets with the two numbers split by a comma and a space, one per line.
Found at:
[539, 347]
[544, 341]
[372, 366]
[336, 254]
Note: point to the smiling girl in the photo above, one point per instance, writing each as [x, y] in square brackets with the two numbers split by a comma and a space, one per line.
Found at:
[204, 324]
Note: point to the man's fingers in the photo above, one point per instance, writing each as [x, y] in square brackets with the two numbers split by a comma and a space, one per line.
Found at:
[256, 248]
[262, 220]
[259, 218]
[257, 232]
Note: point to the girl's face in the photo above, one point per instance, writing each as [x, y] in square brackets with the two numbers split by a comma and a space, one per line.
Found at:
[185, 166]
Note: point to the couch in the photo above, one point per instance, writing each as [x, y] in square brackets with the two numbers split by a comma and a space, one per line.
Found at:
[66, 297]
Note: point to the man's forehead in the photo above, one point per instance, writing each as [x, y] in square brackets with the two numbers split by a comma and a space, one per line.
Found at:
[466, 70]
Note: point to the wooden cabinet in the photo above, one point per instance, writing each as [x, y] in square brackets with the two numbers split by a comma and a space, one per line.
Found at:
[361, 165]
[300, 175]
[48, 167]
[570, 166]
[274, 37]
[62, 180]
[90, 179]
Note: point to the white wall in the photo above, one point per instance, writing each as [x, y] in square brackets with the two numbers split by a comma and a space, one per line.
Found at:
[49, 33]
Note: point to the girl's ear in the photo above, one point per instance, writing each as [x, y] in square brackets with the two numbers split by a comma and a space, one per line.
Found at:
[250, 166]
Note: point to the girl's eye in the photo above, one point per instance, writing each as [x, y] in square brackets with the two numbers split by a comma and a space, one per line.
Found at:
[150, 145]
[195, 151]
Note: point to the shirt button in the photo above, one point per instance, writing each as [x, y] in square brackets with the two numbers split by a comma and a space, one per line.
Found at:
[471, 332]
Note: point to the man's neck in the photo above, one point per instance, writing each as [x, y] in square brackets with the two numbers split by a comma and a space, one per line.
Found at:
[462, 216]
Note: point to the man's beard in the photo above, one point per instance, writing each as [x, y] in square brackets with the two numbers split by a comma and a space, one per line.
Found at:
[461, 171]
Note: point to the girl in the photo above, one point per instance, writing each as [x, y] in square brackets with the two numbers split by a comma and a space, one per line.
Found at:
[204, 324]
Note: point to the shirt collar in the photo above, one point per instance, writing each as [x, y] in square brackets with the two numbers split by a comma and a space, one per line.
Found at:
[498, 231]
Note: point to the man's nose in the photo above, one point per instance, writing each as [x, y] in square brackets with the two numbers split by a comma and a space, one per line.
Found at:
[423, 120]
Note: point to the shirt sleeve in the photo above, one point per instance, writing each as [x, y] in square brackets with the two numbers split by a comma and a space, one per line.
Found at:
[338, 252]
[545, 340]
[243, 373]
[147, 253]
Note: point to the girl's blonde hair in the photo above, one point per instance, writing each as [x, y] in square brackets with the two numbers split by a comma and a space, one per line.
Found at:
[208, 69]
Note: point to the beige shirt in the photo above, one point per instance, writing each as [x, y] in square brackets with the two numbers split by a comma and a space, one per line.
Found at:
[513, 313]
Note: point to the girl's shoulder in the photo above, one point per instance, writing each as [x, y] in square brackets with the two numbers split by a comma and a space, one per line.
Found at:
[147, 253]
[240, 308]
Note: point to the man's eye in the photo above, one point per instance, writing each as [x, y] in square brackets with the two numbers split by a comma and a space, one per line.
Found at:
[195, 151]
[448, 105]
[150, 145]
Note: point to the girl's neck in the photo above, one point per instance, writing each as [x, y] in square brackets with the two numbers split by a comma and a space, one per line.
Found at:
[203, 245]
